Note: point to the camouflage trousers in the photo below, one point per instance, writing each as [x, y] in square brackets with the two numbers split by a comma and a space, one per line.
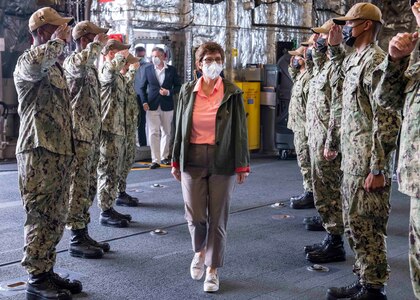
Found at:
[303, 158]
[82, 172]
[414, 238]
[127, 160]
[326, 181]
[365, 222]
[93, 182]
[110, 149]
[44, 187]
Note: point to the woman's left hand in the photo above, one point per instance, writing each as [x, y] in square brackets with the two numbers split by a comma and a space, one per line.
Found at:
[176, 173]
[240, 177]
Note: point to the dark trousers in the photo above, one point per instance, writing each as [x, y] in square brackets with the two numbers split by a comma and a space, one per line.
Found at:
[141, 124]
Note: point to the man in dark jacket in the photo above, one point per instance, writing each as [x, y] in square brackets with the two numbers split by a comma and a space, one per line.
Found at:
[158, 83]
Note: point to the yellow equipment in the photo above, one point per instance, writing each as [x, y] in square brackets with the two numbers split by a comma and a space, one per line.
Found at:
[252, 93]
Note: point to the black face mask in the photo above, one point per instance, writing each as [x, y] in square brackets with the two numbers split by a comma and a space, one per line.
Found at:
[295, 64]
[309, 54]
[322, 45]
[348, 37]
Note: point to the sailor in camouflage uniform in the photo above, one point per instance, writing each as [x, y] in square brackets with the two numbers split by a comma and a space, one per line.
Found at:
[368, 138]
[323, 135]
[44, 152]
[113, 101]
[83, 82]
[398, 89]
[297, 123]
[131, 115]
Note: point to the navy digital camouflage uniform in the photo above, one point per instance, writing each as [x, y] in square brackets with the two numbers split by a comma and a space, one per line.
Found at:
[324, 86]
[131, 115]
[297, 121]
[113, 131]
[368, 137]
[398, 89]
[44, 151]
[83, 82]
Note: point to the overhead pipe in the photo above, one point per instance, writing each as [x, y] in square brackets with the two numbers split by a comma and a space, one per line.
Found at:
[275, 25]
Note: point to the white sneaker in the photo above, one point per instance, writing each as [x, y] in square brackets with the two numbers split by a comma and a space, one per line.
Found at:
[211, 283]
[197, 267]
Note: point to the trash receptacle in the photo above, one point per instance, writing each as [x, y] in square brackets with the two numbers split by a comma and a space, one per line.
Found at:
[268, 123]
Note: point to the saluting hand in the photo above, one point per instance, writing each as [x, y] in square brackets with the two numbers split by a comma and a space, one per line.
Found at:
[335, 36]
[416, 11]
[62, 32]
[124, 53]
[102, 38]
[402, 45]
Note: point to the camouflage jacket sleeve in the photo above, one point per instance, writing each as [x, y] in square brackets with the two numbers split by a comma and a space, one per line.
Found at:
[390, 80]
[309, 67]
[87, 57]
[110, 70]
[293, 72]
[130, 75]
[337, 54]
[385, 123]
[333, 135]
[35, 62]
[319, 59]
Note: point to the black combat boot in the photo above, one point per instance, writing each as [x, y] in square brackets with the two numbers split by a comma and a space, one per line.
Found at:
[344, 292]
[317, 246]
[111, 218]
[370, 293]
[312, 219]
[332, 251]
[125, 199]
[104, 246]
[74, 286]
[80, 245]
[123, 216]
[306, 200]
[293, 198]
[314, 224]
[42, 287]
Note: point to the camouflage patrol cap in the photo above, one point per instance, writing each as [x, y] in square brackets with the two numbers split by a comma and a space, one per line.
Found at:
[309, 42]
[86, 27]
[361, 11]
[325, 28]
[47, 15]
[132, 59]
[298, 52]
[114, 45]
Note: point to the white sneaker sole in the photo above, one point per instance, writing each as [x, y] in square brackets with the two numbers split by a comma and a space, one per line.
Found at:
[197, 276]
[211, 289]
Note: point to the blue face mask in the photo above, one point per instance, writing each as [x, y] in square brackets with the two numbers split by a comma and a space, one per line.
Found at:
[348, 37]
[309, 54]
[321, 45]
[295, 63]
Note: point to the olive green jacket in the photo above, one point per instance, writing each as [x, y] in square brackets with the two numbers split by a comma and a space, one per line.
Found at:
[231, 154]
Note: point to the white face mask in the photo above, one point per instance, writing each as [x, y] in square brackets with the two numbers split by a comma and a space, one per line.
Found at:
[213, 70]
[156, 60]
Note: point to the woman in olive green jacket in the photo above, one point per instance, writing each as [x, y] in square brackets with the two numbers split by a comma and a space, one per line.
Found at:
[210, 147]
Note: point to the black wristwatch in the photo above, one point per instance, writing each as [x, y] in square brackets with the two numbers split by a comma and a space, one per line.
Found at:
[375, 172]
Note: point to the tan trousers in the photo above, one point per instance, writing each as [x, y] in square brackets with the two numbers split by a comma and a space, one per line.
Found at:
[159, 133]
[207, 200]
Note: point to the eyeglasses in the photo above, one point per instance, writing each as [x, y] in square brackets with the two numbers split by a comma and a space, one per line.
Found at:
[210, 60]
